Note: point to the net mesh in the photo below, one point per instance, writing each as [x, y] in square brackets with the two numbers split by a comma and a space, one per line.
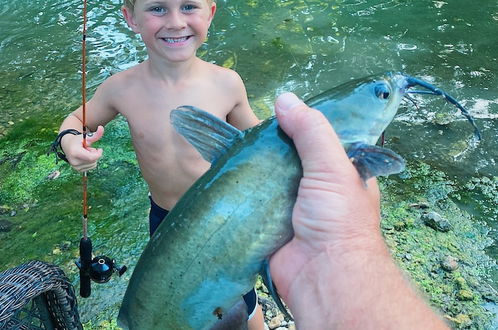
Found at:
[37, 295]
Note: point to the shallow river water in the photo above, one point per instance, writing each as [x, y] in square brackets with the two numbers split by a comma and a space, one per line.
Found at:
[303, 46]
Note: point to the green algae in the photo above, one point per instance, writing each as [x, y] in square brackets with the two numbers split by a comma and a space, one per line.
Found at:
[101, 325]
[460, 291]
[47, 224]
[46, 214]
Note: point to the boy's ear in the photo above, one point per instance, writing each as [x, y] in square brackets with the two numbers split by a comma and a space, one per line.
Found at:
[213, 10]
[130, 19]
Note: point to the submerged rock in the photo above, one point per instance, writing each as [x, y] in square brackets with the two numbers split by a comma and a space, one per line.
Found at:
[54, 175]
[276, 321]
[436, 222]
[465, 295]
[449, 263]
[4, 209]
[5, 226]
[460, 321]
[443, 119]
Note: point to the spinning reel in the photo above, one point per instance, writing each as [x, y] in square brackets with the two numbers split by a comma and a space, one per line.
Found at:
[98, 269]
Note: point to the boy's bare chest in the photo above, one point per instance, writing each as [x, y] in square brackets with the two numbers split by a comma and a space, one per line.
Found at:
[148, 113]
[155, 105]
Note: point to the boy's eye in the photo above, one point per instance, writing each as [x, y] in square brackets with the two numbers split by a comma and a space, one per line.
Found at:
[157, 10]
[189, 7]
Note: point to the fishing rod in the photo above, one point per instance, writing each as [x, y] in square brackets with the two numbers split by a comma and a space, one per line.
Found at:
[100, 268]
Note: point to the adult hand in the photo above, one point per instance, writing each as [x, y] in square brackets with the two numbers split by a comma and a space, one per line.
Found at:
[334, 211]
[337, 273]
[82, 159]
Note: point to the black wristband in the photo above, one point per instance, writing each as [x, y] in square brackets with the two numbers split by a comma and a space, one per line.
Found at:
[56, 147]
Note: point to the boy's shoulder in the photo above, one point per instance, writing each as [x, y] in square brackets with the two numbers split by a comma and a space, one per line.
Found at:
[119, 85]
[116, 90]
[125, 78]
[221, 75]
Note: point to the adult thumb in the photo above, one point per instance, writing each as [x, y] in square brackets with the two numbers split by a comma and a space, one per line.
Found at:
[313, 135]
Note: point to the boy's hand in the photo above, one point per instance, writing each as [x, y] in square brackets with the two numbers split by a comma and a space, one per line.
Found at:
[82, 159]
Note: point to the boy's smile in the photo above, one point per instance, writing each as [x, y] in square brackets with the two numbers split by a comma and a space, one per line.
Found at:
[173, 41]
[176, 42]
[171, 29]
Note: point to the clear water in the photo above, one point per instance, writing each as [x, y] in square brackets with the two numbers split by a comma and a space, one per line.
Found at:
[303, 46]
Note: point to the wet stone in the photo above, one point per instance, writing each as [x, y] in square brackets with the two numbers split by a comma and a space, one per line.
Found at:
[436, 222]
[5, 226]
[461, 320]
[274, 318]
[449, 263]
[64, 246]
[420, 205]
[54, 175]
[461, 282]
[443, 119]
[276, 322]
[465, 295]
[4, 209]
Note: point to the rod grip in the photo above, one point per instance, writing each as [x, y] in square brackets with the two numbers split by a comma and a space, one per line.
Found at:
[86, 261]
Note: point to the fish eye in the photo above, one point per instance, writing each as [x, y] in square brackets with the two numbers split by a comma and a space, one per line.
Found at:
[382, 91]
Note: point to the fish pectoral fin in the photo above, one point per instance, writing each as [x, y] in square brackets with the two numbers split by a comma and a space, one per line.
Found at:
[373, 161]
[266, 276]
[211, 136]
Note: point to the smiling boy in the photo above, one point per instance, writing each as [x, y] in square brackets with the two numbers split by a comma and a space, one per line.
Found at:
[171, 76]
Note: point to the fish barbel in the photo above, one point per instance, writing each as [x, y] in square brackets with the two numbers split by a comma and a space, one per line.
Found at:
[207, 252]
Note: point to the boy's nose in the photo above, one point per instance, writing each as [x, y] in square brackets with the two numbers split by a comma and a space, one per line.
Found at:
[175, 20]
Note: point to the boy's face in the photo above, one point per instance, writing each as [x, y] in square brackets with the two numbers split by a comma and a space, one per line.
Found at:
[172, 29]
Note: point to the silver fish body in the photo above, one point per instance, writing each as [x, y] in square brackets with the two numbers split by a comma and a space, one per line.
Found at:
[207, 252]
[212, 243]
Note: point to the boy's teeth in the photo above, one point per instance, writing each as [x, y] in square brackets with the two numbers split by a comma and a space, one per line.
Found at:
[173, 40]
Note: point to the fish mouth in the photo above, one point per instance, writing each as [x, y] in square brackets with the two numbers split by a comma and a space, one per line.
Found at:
[175, 40]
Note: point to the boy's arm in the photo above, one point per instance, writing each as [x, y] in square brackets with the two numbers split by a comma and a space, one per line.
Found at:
[99, 111]
[241, 115]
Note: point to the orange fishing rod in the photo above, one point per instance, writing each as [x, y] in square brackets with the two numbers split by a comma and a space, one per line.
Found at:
[83, 100]
[85, 242]
[100, 268]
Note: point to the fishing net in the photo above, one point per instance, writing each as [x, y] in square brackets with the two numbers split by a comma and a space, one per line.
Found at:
[37, 295]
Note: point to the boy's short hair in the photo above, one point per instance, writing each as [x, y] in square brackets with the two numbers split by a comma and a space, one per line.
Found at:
[131, 3]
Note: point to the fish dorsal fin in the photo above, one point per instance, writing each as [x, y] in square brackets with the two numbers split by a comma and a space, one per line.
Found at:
[211, 136]
[373, 161]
